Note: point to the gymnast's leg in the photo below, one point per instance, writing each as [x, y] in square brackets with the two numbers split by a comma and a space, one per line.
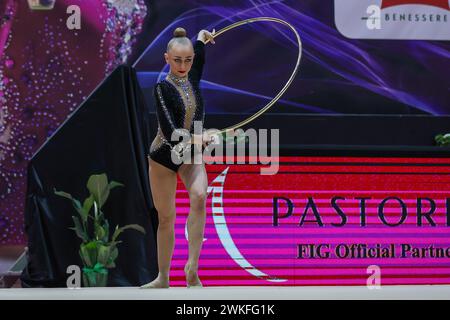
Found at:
[163, 183]
[195, 179]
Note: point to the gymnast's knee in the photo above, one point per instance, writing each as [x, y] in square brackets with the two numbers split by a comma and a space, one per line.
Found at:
[166, 218]
[198, 198]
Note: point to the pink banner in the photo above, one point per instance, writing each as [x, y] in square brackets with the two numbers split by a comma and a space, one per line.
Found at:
[323, 221]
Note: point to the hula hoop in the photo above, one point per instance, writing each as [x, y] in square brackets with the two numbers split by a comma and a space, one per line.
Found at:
[288, 83]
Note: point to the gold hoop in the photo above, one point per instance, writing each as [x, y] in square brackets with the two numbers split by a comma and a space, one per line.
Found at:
[288, 83]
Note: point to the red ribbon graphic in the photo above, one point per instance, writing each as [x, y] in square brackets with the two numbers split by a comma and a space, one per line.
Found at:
[435, 3]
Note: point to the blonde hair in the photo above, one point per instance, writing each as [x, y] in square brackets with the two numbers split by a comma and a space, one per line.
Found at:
[179, 37]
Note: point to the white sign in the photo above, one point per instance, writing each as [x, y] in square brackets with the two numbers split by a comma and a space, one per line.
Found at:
[393, 19]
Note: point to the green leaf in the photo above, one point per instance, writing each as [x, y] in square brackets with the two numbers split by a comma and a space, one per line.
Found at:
[134, 227]
[113, 256]
[63, 194]
[114, 243]
[75, 202]
[99, 232]
[114, 253]
[98, 187]
[87, 205]
[79, 208]
[114, 184]
[91, 245]
[81, 233]
[104, 253]
[100, 216]
[106, 228]
[84, 254]
[442, 139]
[90, 252]
[118, 231]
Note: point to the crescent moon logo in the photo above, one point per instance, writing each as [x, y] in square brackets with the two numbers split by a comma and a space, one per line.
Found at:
[220, 223]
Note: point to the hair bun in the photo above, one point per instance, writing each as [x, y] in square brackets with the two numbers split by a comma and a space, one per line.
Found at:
[179, 32]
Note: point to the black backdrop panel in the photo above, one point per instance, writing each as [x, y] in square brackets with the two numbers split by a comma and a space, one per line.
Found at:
[108, 133]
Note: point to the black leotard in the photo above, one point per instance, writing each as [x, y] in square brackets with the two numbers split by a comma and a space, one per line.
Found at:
[174, 111]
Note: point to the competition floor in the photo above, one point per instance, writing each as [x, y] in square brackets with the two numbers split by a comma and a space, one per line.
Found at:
[425, 292]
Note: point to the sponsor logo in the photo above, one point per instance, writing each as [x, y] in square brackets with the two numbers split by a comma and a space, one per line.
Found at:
[393, 19]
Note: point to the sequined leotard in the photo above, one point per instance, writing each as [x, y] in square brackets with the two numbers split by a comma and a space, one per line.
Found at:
[178, 104]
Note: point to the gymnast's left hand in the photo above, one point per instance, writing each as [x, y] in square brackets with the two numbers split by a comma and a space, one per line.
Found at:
[205, 35]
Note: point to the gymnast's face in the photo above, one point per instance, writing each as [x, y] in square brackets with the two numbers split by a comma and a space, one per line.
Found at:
[180, 58]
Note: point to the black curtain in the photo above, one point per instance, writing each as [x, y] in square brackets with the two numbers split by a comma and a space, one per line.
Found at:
[109, 133]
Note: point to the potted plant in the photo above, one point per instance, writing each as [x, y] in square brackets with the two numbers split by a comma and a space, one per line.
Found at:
[442, 139]
[98, 251]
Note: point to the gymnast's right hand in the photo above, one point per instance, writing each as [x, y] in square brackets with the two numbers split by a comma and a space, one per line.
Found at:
[205, 35]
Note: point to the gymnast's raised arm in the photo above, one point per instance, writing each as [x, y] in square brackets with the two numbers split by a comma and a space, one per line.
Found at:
[199, 50]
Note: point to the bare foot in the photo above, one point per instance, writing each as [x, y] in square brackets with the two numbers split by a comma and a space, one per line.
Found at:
[159, 282]
[192, 279]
